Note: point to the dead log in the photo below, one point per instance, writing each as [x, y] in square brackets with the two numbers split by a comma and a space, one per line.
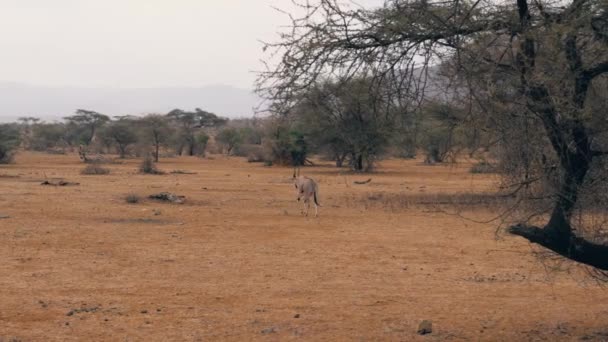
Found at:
[168, 197]
[59, 183]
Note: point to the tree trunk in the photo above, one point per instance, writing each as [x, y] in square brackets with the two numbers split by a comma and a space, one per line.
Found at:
[156, 147]
[122, 151]
[340, 159]
[358, 163]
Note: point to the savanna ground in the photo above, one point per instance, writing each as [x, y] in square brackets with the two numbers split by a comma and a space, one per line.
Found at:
[237, 261]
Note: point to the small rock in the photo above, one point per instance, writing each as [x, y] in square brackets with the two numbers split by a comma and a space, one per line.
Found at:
[296, 316]
[425, 327]
[2, 216]
[268, 331]
[144, 311]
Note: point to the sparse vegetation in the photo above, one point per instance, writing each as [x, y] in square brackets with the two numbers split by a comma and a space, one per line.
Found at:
[132, 198]
[483, 167]
[95, 169]
[149, 167]
[9, 141]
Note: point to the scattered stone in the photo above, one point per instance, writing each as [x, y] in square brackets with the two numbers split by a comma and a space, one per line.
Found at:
[425, 327]
[271, 330]
[296, 316]
[144, 311]
[168, 197]
[84, 309]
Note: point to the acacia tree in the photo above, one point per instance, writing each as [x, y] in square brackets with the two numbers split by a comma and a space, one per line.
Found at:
[230, 138]
[188, 123]
[156, 131]
[9, 142]
[88, 120]
[547, 55]
[121, 132]
[349, 119]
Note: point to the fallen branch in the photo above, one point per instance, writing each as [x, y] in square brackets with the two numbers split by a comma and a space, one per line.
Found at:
[307, 161]
[168, 197]
[59, 183]
[362, 182]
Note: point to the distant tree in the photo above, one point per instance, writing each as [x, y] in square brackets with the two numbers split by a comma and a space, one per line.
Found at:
[229, 138]
[202, 139]
[284, 142]
[156, 131]
[348, 119]
[122, 134]
[48, 135]
[208, 119]
[9, 142]
[26, 130]
[90, 121]
[189, 123]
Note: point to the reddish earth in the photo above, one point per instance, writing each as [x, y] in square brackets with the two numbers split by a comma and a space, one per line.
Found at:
[237, 261]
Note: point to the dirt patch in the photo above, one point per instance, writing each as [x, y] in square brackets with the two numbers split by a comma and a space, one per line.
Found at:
[138, 221]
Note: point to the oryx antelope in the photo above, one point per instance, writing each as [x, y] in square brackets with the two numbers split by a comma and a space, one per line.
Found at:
[306, 188]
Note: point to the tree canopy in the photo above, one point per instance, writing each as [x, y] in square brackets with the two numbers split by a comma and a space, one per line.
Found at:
[524, 70]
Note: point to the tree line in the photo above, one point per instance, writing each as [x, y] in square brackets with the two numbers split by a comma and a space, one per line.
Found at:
[347, 126]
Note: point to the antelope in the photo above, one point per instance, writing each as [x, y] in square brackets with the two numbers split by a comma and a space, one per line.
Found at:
[306, 188]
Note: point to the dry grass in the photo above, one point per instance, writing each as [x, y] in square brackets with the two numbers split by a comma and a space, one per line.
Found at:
[483, 167]
[95, 169]
[132, 198]
[402, 201]
[239, 260]
[148, 166]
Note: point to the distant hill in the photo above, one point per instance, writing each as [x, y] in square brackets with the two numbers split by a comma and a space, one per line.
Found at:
[50, 103]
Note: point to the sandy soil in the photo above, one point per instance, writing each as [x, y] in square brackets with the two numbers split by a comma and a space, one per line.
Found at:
[239, 262]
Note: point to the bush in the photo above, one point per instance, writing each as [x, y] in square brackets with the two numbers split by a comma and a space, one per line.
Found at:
[202, 139]
[483, 167]
[149, 167]
[9, 141]
[229, 138]
[132, 198]
[253, 153]
[95, 169]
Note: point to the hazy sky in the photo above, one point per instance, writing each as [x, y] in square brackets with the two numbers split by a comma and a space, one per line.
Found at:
[136, 43]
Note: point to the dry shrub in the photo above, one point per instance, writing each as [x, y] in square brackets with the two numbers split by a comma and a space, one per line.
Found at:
[483, 167]
[253, 153]
[397, 201]
[132, 198]
[95, 169]
[182, 172]
[149, 167]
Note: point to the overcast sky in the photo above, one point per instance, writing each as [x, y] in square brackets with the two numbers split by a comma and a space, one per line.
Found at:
[136, 43]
